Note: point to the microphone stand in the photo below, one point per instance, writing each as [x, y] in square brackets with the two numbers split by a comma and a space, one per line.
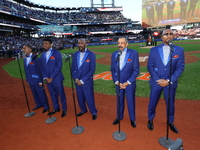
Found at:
[77, 129]
[119, 135]
[50, 119]
[166, 141]
[29, 114]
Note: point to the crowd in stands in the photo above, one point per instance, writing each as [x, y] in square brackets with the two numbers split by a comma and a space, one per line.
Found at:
[187, 32]
[21, 25]
[11, 45]
[113, 28]
[62, 17]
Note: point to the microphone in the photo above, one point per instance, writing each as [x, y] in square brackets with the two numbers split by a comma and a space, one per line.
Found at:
[119, 54]
[171, 45]
[68, 57]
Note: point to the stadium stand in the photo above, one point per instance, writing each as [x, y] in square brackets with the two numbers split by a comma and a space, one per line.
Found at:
[25, 22]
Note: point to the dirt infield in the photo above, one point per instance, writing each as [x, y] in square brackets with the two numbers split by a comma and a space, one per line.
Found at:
[20, 133]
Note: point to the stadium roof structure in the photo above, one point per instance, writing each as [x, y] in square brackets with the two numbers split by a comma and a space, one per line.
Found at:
[31, 4]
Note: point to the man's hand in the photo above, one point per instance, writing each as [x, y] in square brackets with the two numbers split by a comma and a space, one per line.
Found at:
[163, 82]
[123, 85]
[49, 80]
[78, 82]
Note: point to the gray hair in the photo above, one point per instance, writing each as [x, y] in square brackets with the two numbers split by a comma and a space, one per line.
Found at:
[126, 40]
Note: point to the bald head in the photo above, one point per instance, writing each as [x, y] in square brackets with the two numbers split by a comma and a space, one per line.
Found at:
[81, 45]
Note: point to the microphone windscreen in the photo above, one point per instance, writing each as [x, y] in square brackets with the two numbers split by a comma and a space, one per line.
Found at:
[170, 42]
[119, 52]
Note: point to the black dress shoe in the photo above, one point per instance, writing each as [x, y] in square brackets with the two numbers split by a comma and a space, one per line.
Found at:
[45, 110]
[133, 124]
[35, 108]
[150, 125]
[80, 114]
[53, 112]
[116, 121]
[94, 117]
[173, 128]
[64, 113]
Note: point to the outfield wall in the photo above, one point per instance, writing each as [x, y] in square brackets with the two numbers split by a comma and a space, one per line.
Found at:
[115, 43]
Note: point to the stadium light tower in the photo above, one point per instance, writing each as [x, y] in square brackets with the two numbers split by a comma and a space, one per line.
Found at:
[91, 2]
[113, 3]
[102, 3]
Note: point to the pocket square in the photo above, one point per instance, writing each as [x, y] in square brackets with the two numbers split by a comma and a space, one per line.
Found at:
[129, 60]
[87, 60]
[52, 57]
[31, 63]
[175, 56]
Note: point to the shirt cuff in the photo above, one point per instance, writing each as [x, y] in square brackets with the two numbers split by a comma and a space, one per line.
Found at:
[116, 82]
[129, 82]
[170, 82]
[81, 81]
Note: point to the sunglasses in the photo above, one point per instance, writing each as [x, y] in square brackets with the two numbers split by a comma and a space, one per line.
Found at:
[166, 34]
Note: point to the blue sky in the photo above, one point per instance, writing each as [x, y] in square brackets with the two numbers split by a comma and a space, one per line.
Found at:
[131, 8]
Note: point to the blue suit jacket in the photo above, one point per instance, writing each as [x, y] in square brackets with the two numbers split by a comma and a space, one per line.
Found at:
[86, 70]
[150, 12]
[159, 7]
[130, 69]
[183, 3]
[31, 71]
[51, 68]
[158, 70]
[169, 6]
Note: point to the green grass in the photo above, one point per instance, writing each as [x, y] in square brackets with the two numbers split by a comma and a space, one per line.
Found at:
[189, 82]
[136, 46]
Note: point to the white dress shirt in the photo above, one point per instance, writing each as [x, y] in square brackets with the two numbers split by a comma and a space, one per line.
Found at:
[48, 54]
[82, 54]
[28, 59]
[122, 57]
[166, 51]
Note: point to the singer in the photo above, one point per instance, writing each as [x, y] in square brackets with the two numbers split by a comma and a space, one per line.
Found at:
[83, 68]
[33, 79]
[129, 70]
[51, 65]
[159, 68]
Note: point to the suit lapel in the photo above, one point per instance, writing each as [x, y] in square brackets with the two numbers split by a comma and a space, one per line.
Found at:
[78, 59]
[84, 58]
[169, 57]
[160, 50]
[126, 58]
[51, 53]
[26, 63]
